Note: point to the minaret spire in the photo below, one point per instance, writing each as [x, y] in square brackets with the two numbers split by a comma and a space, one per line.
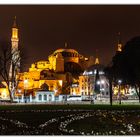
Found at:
[119, 45]
[97, 59]
[66, 45]
[14, 37]
[15, 22]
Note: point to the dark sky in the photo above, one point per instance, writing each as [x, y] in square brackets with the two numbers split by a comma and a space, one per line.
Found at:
[45, 28]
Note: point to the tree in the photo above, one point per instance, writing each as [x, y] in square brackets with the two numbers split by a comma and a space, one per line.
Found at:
[66, 88]
[6, 61]
[97, 84]
[109, 74]
[126, 64]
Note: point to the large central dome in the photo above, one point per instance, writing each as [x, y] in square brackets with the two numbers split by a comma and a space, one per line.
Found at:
[67, 52]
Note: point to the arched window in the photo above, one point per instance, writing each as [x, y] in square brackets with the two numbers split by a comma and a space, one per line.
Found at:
[40, 97]
[50, 97]
[45, 97]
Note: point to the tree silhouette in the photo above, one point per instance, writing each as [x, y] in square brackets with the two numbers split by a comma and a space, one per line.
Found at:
[126, 64]
[97, 84]
[109, 74]
[5, 62]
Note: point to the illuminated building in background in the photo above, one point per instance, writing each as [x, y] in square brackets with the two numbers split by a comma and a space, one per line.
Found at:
[74, 89]
[87, 80]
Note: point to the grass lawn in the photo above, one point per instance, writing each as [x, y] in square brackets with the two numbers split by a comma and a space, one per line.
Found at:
[65, 107]
[64, 119]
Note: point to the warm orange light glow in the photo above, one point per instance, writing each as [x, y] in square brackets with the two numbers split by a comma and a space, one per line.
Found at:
[4, 93]
[116, 91]
[97, 61]
[60, 83]
[119, 47]
[14, 33]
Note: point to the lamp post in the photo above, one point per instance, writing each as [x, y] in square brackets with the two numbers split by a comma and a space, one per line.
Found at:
[119, 91]
[99, 88]
[19, 91]
[102, 87]
[25, 88]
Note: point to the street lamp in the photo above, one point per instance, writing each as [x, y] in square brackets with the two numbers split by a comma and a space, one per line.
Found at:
[25, 88]
[102, 81]
[119, 91]
[98, 82]
[19, 91]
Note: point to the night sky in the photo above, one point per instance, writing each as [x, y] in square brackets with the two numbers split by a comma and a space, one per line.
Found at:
[45, 28]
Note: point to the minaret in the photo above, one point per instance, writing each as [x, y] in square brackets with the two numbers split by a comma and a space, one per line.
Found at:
[119, 45]
[66, 45]
[14, 38]
[97, 59]
[15, 61]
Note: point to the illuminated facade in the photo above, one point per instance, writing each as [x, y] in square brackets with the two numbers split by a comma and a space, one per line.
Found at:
[63, 60]
[61, 67]
[3, 91]
[86, 85]
[31, 84]
[74, 89]
[87, 81]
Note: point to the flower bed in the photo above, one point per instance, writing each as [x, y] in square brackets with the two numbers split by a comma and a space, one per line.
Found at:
[104, 123]
[70, 122]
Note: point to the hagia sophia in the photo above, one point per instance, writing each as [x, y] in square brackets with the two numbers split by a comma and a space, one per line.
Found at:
[63, 67]
[65, 71]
